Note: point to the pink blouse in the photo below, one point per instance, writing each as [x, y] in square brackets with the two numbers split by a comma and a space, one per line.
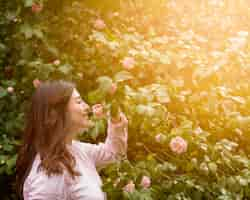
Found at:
[89, 159]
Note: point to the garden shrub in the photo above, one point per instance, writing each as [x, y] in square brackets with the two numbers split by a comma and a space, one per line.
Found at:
[179, 71]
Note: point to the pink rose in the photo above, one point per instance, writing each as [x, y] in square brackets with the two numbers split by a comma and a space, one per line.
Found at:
[128, 62]
[36, 82]
[56, 62]
[98, 110]
[145, 182]
[113, 89]
[99, 24]
[10, 89]
[130, 187]
[36, 7]
[178, 145]
[160, 138]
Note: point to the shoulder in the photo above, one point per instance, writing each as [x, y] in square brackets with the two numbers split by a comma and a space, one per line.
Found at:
[85, 150]
[39, 184]
[83, 146]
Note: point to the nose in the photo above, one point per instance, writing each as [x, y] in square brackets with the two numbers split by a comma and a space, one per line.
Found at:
[87, 109]
[85, 106]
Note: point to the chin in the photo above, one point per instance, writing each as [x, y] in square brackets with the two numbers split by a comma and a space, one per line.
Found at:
[84, 129]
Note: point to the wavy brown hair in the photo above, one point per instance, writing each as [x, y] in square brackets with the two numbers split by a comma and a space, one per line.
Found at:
[45, 132]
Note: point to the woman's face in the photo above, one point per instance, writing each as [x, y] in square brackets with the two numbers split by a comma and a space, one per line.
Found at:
[78, 113]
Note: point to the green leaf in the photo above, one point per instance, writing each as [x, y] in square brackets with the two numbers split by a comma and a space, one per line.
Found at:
[3, 92]
[242, 181]
[38, 33]
[164, 59]
[98, 129]
[94, 132]
[52, 50]
[213, 167]
[9, 83]
[28, 3]
[27, 30]
[105, 83]
[145, 110]
[95, 96]
[65, 69]
[123, 76]
[11, 162]
[2, 47]
[8, 147]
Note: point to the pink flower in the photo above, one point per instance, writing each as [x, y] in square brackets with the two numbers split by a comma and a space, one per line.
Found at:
[130, 187]
[98, 110]
[10, 89]
[99, 24]
[178, 145]
[56, 62]
[36, 7]
[145, 182]
[113, 89]
[160, 138]
[128, 62]
[36, 82]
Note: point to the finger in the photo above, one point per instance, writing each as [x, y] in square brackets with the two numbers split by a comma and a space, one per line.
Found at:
[109, 118]
[123, 118]
[108, 114]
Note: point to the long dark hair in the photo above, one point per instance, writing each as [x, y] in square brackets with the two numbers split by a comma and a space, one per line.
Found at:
[45, 132]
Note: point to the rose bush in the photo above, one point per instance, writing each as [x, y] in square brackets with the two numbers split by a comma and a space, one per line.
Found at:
[179, 71]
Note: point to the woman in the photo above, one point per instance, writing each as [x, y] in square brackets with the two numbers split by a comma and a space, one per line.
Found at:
[51, 163]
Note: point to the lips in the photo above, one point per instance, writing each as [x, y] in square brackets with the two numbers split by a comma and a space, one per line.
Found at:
[88, 114]
[84, 115]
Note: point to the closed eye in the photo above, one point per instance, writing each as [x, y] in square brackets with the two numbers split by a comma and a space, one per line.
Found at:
[79, 100]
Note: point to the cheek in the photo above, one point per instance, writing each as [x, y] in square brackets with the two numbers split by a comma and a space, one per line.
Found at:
[75, 112]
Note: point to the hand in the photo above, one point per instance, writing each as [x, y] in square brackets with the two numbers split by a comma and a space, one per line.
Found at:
[122, 123]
